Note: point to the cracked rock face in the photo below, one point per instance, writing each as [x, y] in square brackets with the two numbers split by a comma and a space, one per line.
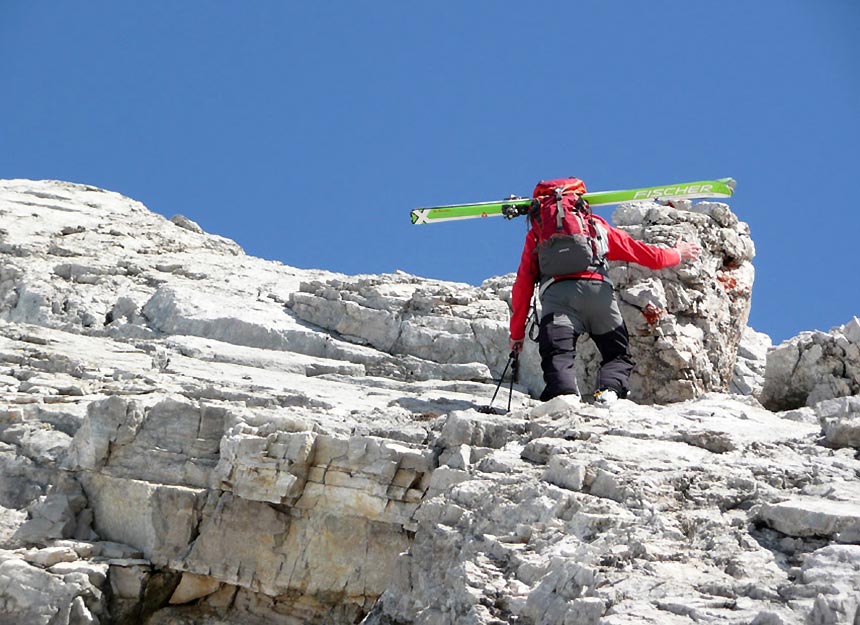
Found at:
[685, 322]
[813, 367]
[192, 435]
[625, 514]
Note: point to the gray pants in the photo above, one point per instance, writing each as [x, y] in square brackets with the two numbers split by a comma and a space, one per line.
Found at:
[570, 308]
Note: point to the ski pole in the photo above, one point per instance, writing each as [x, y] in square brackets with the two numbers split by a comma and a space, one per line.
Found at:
[513, 358]
[515, 374]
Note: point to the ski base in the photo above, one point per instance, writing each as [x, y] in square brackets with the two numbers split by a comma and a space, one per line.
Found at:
[513, 206]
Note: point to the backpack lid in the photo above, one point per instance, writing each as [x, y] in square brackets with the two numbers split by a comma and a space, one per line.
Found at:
[568, 185]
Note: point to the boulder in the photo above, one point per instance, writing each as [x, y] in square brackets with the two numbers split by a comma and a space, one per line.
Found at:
[813, 367]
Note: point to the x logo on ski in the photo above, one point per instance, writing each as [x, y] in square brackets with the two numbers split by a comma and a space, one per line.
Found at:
[421, 216]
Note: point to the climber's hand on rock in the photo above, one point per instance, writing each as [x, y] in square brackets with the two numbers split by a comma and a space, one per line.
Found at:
[687, 250]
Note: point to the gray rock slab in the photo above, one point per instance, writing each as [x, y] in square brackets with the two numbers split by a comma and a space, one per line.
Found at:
[813, 367]
[159, 520]
[32, 596]
[807, 516]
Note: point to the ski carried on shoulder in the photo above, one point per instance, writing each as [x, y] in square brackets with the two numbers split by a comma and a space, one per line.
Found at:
[515, 206]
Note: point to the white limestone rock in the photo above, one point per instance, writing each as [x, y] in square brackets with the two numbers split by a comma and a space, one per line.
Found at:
[629, 508]
[11, 521]
[565, 472]
[61, 513]
[96, 572]
[805, 516]
[748, 374]
[30, 595]
[813, 367]
[183, 222]
[829, 582]
[685, 322]
[840, 422]
[260, 443]
[475, 429]
[168, 440]
[402, 314]
[159, 520]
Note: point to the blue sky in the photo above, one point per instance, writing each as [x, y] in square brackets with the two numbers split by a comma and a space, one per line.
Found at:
[306, 131]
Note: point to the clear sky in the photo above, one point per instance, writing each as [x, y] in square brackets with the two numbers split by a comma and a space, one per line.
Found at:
[306, 131]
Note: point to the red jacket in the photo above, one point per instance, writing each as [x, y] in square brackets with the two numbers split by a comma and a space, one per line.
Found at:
[622, 247]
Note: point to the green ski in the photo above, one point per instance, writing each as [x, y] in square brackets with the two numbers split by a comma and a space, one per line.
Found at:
[514, 206]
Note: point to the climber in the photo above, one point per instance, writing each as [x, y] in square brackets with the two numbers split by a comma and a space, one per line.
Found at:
[565, 254]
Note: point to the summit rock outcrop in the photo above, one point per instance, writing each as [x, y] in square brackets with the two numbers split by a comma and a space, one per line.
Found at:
[189, 434]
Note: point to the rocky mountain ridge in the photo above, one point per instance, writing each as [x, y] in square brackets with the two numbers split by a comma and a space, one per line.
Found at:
[192, 435]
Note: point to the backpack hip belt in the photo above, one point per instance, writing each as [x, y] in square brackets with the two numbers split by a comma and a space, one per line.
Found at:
[586, 275]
